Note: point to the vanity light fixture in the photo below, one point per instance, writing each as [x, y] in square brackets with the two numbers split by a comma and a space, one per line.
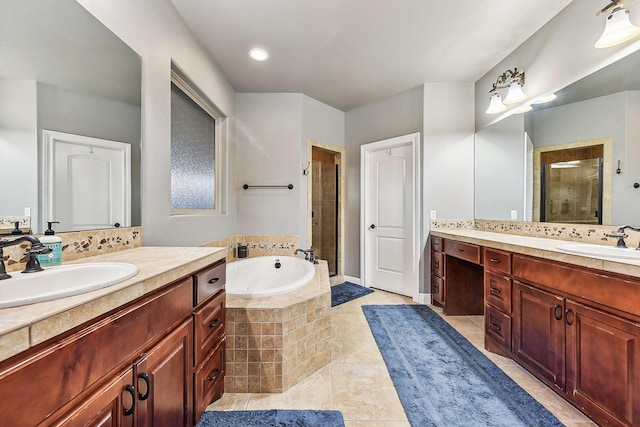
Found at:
[513, 80]
[258, 54]
[523, 109]
[618, 28]
[546, 99]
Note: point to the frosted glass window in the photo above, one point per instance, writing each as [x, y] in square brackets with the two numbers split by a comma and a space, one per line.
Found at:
[193, 154]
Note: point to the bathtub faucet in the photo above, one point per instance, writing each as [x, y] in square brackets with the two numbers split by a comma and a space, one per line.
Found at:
[308, 255]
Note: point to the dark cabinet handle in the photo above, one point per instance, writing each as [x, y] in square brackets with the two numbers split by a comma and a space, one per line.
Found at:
[436, 264]
[495, 291]
[214, 280]
[459, 250]
[144, 377]
[215, 323]
[495, 327]
[215, 375]
[566, 317]
[372, 227]
[494, 260]
[129, 389]
[557, 312]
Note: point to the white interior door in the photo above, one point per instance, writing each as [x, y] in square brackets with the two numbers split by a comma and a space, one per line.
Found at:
[87, 182]
[390, 215]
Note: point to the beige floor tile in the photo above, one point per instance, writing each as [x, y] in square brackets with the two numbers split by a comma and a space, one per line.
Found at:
[314, 392]
[231, 402]
[357, 383]
[376, 423]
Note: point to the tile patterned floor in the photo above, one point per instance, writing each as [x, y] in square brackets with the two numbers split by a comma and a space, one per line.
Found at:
[357, 383]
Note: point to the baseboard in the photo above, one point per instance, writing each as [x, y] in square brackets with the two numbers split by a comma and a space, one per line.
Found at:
[423, 298]
[354, 280]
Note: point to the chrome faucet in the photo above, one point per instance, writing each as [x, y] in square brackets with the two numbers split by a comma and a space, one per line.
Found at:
[620, 235]
[308, 255]
[37, 248]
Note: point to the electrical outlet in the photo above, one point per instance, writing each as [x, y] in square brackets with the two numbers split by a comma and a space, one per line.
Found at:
[27, 211]
[432, 214]
[514, 214]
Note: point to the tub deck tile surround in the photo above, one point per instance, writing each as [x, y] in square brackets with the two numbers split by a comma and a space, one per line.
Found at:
[26, 326]
[275, 342]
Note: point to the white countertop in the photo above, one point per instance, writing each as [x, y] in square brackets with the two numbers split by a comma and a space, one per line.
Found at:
[26, 326]
[542, 248]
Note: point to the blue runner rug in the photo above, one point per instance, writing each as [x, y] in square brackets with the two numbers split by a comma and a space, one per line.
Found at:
[346, 292]
[271, 418]
[442, 379]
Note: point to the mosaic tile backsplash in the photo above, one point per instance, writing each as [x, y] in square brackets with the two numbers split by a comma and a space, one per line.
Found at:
[258, 245]
[596, 234]
[80, 244]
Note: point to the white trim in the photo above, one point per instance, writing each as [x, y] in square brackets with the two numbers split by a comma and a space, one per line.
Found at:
[365, 154]
[354, 280]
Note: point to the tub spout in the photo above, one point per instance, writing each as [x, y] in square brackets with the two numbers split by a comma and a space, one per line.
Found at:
[308, 255]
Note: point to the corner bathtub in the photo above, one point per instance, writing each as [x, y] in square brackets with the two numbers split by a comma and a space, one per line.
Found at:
[259, 277]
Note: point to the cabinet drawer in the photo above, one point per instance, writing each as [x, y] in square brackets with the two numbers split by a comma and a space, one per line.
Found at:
[209, 281]
[497, 291]
[497, 326]
[209, 324]
[437, 264]
[209, 381]
[463, 250]
[437, 289]
[497, 260]
[436, 243]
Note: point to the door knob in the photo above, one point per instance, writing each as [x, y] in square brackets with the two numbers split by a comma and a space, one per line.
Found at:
[372, 226]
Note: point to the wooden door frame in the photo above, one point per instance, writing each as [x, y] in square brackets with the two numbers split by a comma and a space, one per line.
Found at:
[365, 173]
[340, 161]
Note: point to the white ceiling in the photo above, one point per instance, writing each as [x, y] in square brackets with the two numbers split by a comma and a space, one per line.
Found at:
[347, 53]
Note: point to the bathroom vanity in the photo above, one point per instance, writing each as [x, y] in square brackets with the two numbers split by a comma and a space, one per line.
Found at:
[570, 320]
[146, 352]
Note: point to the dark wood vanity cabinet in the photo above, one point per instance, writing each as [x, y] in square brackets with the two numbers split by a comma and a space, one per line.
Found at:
[137, 366]
[456, 277]
[497, 297]
[578, 330]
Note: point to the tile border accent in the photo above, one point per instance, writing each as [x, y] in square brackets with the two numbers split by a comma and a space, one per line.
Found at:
[80, 244]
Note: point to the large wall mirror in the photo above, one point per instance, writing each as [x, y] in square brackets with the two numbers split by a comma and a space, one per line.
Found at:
[62, 71]
[573, 160]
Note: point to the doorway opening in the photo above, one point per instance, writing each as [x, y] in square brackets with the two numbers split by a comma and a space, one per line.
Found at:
[326, 202]
[572, 181]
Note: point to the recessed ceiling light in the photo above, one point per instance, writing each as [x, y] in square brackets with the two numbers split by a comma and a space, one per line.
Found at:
[258, 54]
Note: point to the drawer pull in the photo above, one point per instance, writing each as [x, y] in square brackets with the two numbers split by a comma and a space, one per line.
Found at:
[436, 264]
[215, 375]
[494, 260]
[459, 250]
[144, 377]
[214, 280]
[495, 327]
[215, 323]
[129, 389]
[495, 291]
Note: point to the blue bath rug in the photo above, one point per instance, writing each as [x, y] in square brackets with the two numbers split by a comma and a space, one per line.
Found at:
[272, 418]
[346, 292]
[442, 379]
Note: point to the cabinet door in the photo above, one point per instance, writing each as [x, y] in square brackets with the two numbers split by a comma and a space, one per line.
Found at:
[112, 405]
[163, 381]
[538, 332]
[603, 364]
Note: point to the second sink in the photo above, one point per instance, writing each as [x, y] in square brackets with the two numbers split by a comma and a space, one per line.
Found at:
[599, 250]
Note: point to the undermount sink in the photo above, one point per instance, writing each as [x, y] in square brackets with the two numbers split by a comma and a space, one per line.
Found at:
[599, 250]
[62, 281]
